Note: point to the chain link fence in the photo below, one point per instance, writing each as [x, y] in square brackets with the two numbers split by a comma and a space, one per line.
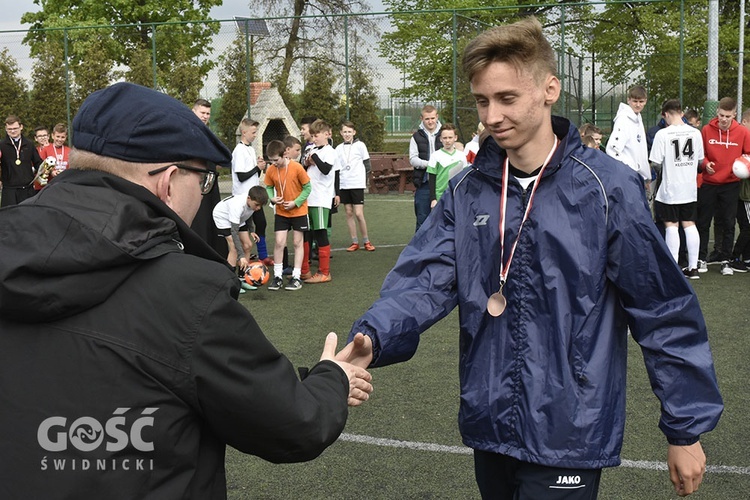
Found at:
[72, 62]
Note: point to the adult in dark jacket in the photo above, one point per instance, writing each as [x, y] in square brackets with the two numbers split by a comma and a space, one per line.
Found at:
[128, 364]
[424, 142]
[203, 223]
[19, 162]
[548, 249]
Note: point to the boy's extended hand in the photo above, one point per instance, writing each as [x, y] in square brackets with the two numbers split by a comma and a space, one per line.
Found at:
[359, 378]
[357, 352]
[687, 464]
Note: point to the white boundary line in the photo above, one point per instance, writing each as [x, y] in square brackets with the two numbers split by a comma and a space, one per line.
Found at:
[463, 450]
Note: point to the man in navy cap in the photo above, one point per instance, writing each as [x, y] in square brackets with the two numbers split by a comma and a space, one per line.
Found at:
[128, 364]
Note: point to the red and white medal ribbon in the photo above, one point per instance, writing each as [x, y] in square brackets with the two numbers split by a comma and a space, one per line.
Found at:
[496, 302]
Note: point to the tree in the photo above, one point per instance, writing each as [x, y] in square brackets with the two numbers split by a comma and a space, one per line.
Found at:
[313, 33]
[141, 70]
[92, 74]
[421, 46]
[363, 105]
[14, 101]
[319, 98]
[47, 98]
[233, 90]
[100, 48]
[632, 39]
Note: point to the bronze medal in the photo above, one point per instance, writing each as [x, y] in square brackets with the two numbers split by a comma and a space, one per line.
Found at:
[496, 304]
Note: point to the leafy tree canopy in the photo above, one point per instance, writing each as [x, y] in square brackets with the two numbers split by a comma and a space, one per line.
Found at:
[178, 46]
[14, 101]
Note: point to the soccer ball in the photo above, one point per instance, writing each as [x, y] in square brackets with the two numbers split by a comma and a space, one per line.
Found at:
[257, 273]
[741, 167]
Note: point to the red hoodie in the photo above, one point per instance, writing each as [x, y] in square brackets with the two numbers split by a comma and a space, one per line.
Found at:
[723, 147]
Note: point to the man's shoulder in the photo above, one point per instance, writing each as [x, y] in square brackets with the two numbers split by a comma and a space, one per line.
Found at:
[29, 144]
[196, 273]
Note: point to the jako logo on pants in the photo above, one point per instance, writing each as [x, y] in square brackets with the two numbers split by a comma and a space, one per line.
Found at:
[87, 434]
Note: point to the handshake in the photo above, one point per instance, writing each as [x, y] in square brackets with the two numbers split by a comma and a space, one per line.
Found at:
[354, 358]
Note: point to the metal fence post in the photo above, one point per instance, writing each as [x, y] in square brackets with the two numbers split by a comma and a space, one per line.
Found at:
[153, 57]
[346, 64]
[67, 80]
[455, 67]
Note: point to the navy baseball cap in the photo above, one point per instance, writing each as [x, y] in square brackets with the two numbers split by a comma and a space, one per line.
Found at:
[141, 125]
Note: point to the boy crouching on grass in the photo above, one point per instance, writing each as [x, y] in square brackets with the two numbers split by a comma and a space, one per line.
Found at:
[232, 217]
[287, 186]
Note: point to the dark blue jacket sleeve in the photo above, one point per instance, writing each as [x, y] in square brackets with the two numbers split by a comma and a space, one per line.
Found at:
[417, 293]
[664, 318]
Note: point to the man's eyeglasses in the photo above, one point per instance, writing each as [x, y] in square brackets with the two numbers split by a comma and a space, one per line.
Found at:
[207, 179]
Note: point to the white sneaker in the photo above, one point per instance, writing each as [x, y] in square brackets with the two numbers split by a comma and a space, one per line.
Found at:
[726, 269]
[702, 266]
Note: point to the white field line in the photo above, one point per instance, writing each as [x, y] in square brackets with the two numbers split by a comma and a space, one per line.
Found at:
[463, 450]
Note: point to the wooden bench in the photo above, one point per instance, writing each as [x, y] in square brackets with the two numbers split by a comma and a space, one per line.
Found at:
[390, 171]
[383, 175]
[405, 172]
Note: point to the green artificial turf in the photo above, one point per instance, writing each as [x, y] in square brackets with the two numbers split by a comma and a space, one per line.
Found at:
[417, 401]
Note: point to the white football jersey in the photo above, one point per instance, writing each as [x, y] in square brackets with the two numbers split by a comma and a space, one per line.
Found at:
[679, 149]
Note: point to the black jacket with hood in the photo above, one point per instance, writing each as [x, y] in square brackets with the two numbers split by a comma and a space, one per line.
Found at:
[128, 363]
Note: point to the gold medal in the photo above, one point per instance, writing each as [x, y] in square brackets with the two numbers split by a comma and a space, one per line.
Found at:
[18, 161]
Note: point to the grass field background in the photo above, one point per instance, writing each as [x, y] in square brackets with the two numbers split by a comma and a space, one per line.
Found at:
[417, 401]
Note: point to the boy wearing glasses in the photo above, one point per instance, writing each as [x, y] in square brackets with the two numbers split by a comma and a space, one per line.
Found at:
[288, 187]
[41, 138]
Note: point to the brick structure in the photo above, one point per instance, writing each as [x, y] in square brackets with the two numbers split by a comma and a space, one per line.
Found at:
[269, 110]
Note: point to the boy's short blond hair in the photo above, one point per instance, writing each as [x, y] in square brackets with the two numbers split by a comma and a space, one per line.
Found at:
[521, 44]
[319, 126]
[247, 123]
[429, 109]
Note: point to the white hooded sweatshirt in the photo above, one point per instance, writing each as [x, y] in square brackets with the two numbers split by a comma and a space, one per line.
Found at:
[627, 142]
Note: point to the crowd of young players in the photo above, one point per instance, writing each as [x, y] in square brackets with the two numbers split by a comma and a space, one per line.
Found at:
[687, 174]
